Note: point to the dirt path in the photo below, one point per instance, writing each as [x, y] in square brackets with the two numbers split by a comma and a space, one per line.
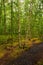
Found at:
[29, 57]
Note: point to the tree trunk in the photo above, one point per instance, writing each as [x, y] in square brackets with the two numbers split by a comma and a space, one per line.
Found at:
[4, 17]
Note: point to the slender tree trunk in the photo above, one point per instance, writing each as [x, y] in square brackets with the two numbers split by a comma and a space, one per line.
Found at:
[0, 11]
[19, 26]
[11, 21]
[30, 19]
[40, 17]
[27, 19]
[1, 16]
[4, 16]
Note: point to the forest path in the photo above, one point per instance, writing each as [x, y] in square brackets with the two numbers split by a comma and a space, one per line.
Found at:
[29, 57]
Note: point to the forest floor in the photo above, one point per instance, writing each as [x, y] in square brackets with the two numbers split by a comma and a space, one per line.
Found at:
[13, 55]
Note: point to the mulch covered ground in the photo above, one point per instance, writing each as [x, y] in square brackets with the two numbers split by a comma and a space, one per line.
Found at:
[28, 57]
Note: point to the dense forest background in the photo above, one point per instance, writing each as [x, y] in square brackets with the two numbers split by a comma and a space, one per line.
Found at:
[21, 32]
[21, 18]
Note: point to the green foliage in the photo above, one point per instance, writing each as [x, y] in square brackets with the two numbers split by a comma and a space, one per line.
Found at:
[26, 16]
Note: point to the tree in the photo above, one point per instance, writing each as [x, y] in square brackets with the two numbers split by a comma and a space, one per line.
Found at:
[4, 21]
[1, 17]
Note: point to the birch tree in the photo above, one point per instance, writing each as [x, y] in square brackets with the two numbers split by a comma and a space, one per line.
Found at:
[19, 25]
[28, 17]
